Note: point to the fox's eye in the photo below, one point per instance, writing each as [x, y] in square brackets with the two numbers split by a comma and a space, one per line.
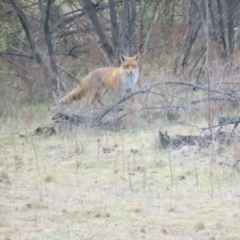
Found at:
[126, 66]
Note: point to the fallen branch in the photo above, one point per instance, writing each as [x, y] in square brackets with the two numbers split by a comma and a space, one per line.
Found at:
[222, 121]
[147, 108]
[214, 99]
[201, 141]
[178, 141]
[61, 120]
[232, 93]
[121, 100]
[68, 73]
[16, 55]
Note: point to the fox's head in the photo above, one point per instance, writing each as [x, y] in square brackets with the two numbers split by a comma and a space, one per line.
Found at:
[129, 64]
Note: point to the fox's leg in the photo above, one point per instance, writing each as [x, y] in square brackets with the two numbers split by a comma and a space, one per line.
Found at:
[96, 97]
[100, 102]
[104, 91]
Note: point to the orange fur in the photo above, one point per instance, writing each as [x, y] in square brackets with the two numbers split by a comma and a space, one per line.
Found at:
[98, 82]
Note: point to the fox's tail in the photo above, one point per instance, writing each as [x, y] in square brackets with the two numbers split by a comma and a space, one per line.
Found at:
[76, 94]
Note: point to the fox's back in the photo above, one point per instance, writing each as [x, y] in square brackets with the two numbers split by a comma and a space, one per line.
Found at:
[115, 78]
[108, 77]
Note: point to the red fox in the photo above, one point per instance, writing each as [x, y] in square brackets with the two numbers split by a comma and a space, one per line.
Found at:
[121, 80]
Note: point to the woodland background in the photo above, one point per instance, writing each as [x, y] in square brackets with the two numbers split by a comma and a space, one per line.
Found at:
[120, 183]
[47, 46]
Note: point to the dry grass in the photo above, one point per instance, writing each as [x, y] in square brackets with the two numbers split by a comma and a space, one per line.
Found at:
[65, 187]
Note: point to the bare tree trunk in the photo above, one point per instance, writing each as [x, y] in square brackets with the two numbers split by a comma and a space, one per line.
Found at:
[132, 25]
[123, 34]
[114, 25]
[48, 38]
[36, 52]
[141, 36]
[123, 28]
[194, 27]
[230, 25]
[193, 37]
[92, 15]
[26, 28]
[220, 12]
[210, 7]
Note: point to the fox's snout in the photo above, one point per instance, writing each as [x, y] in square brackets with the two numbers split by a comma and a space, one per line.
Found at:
[130, 71]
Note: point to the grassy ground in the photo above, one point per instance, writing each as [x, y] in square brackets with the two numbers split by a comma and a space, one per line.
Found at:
[66, 187]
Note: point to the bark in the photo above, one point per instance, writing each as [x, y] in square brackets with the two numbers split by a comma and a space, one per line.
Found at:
[122, 37]
[114, 24]
[35, 50]
[141, 23]
[48, 38]
[193, 31]
[90, 11]
[221, 24]
[230, 26]
[132, 26]
[26, 28]
[192, 39]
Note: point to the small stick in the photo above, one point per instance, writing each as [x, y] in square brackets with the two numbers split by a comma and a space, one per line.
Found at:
[170, 166]
[129, 174]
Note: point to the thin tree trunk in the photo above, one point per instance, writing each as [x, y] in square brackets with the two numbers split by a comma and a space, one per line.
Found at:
[26, 28]
[210, 7]
[230, 13]
[123, 28]
[220, 12]
[132, 25]
[35, 50]
[141, 36]
[92, 15]
[114, 25]
[192, 40]
[48, 38]
[193, 30]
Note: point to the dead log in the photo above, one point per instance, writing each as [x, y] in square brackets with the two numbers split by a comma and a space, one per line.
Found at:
[236, 165]
[229, 120]
[61, 122]
[46, 130]
[179, 141]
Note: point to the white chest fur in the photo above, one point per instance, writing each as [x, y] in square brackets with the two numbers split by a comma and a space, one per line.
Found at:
[129, 80]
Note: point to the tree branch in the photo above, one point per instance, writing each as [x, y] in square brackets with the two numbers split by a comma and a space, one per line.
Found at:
[121, 100]
[230, 94]
[68, 73]
[16, 54]
[146, 108]
[24, 23]
[214, 99]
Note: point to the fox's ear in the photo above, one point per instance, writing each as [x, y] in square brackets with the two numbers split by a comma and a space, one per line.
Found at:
[136, 57]
[122, 58]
